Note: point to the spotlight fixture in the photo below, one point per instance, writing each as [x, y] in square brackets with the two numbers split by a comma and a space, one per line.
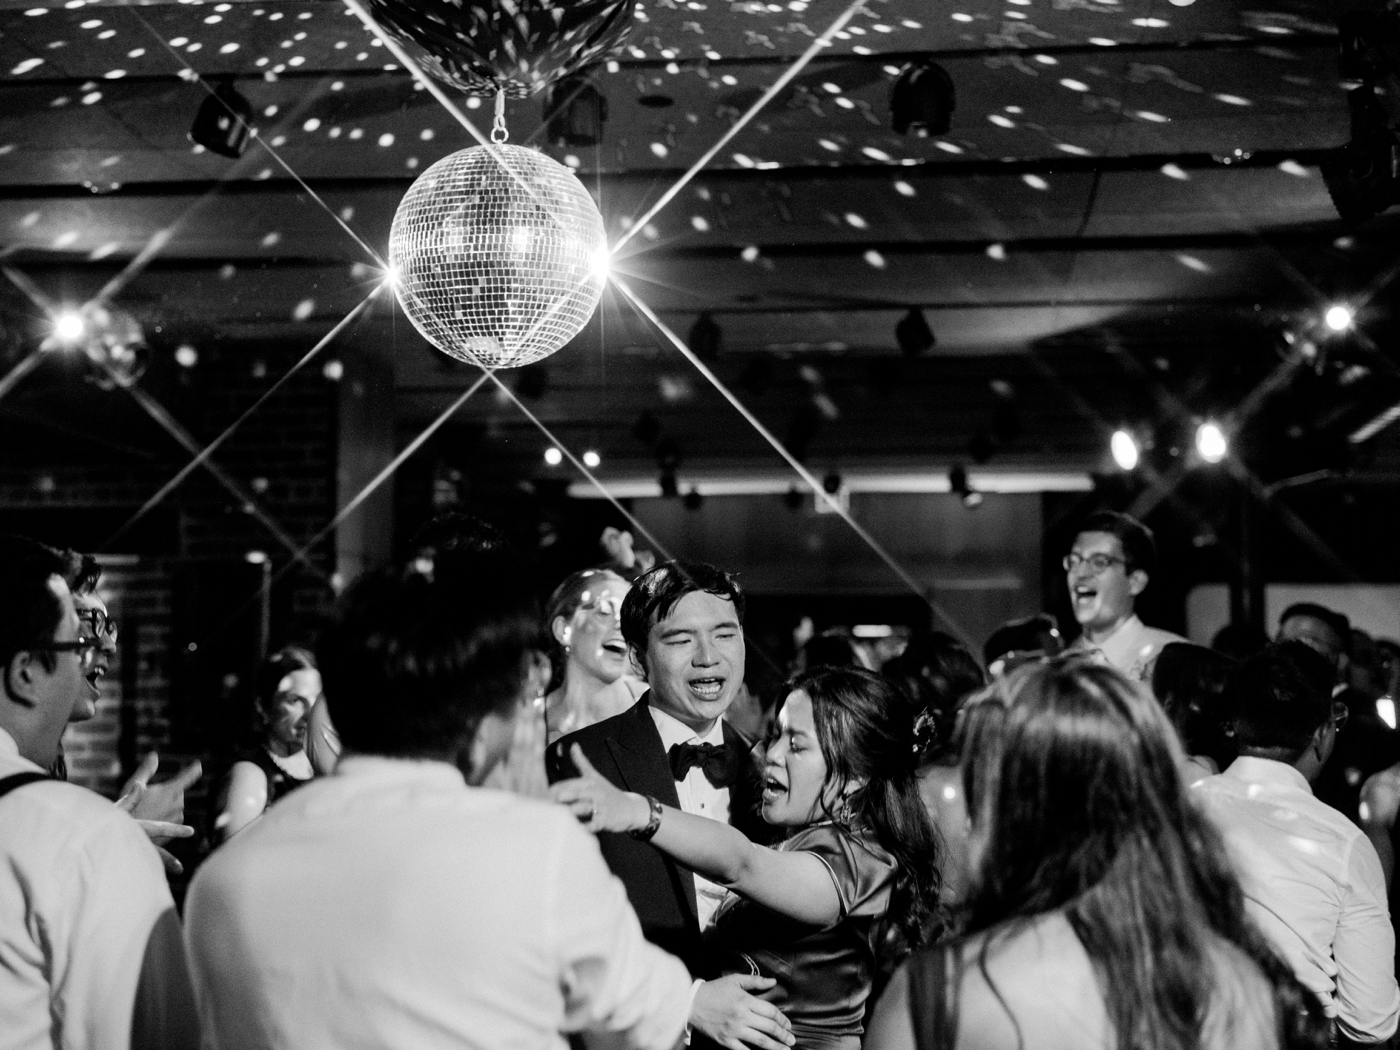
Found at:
[576, 111]
[793, 498]
[553, 456]
[913, 334]
[960, 486]
[831, 484]
[69, 326]
[670, 488]
[1211, 442]
[186, 356]
[1124, 449]
[224, 121]
[693, 499]
[923, 99]
[591, 459]
[705, 338]
[1339, 317]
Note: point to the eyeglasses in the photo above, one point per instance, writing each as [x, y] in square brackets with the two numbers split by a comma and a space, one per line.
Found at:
[604, 605]
[100, 626]
[1340, 714]
[1098, 563]
[86, 648]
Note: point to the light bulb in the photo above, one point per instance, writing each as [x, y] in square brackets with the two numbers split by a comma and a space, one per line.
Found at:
[1211, 443]
[69, 326]
[591, 459]
[1125, 450]
[1338, 317]
[553, 456]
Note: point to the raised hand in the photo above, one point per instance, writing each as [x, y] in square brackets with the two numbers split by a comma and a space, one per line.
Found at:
[522, 770]
[160, 808]
[598, 804]
[725, 1011]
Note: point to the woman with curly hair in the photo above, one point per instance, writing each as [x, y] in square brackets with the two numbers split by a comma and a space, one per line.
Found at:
[1102, 911]
[849, 893]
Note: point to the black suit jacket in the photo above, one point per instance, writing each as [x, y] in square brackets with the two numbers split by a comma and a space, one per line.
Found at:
[627, 750]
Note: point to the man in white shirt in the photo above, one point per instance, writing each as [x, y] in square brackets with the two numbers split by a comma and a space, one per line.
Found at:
[683, 622]
[1312, 880]
[1108, 566]
[90, 951]
[399, 904]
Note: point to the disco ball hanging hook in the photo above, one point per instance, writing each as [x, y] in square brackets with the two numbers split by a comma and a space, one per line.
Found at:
[499, 253]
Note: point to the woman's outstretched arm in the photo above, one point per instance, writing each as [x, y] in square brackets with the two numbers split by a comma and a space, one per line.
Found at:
[795, 884]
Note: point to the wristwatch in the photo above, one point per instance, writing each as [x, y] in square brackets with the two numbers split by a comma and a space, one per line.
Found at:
[644, 834]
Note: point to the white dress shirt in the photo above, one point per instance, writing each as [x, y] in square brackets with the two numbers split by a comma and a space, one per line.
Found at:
[1131, 648]
[1314, 885]
[390, 905]
[697, 796]
[82, 898]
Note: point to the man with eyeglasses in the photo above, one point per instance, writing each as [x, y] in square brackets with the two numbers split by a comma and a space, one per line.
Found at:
[90, 951]
[1108, 566]
[1312, 881]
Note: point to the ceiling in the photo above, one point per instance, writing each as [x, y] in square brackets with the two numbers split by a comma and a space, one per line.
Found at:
[1125, 224]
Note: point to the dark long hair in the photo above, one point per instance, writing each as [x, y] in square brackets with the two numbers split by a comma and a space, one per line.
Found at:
[866, 732]
[935, 672]
[1077, 805]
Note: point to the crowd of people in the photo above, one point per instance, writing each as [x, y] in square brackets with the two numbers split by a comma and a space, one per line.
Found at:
[465, 820]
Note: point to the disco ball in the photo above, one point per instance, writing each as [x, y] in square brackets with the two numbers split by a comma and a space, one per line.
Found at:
[498, 263]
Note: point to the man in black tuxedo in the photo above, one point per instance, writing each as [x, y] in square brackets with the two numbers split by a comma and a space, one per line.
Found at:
[684, 625]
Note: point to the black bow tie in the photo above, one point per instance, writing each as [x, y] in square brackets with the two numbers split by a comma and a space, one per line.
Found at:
[719, 763]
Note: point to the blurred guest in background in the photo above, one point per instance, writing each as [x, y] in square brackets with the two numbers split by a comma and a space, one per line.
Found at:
[1239, 640]
[1364, 744]
[1108, 566]
[275, 761]
[833, 647]
[1312, 880]
[592, 679]
[1189, 682]
[1020, 641]
[848, 894]
[936, 672]
[1101, 913]
[397, 903]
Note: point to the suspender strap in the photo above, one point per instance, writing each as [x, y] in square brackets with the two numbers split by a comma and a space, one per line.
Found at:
[17, 780]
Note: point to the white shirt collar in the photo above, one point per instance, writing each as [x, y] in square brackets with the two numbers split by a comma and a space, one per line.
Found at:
[9, 751]
[382, 767]
[1254, 770]
[673, 731]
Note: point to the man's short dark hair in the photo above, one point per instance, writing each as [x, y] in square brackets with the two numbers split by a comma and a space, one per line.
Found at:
[1337, 622]
[1278, 698]
[30, 613]
[656, 592]
[1139, 546]
[418, 657]
[1024, 636]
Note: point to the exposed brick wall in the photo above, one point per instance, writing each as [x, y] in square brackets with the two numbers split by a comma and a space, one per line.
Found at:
[285, 455]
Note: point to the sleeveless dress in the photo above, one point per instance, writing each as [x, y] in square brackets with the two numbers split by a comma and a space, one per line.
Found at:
[824, 974]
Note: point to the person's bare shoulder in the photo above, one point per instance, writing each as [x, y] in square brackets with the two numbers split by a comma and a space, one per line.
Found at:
[1380, 798]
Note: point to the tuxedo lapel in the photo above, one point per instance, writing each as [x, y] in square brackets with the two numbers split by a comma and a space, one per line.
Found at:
[641, 757]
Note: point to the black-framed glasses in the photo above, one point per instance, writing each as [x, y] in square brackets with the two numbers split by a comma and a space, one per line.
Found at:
[1098, 563]
[1340, 714]
[86, 648]
[99, 625]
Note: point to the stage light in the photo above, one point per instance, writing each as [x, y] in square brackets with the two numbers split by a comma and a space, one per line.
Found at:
[693, 500]
[705, 338]
[831, 484]
[553, 456]
[1339, 317]
[224, 122]
[923, 99]
[670, 487]
[1125, 450]
[913, 334]
[576, 111]
[591, 459]
[255, 557]
[69, 326]
[186, 356]
[1211, 442]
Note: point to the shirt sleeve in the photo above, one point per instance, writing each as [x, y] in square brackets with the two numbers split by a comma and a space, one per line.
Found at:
[1366, 995]
[118, 967]
[857, 873]
[614, 982]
